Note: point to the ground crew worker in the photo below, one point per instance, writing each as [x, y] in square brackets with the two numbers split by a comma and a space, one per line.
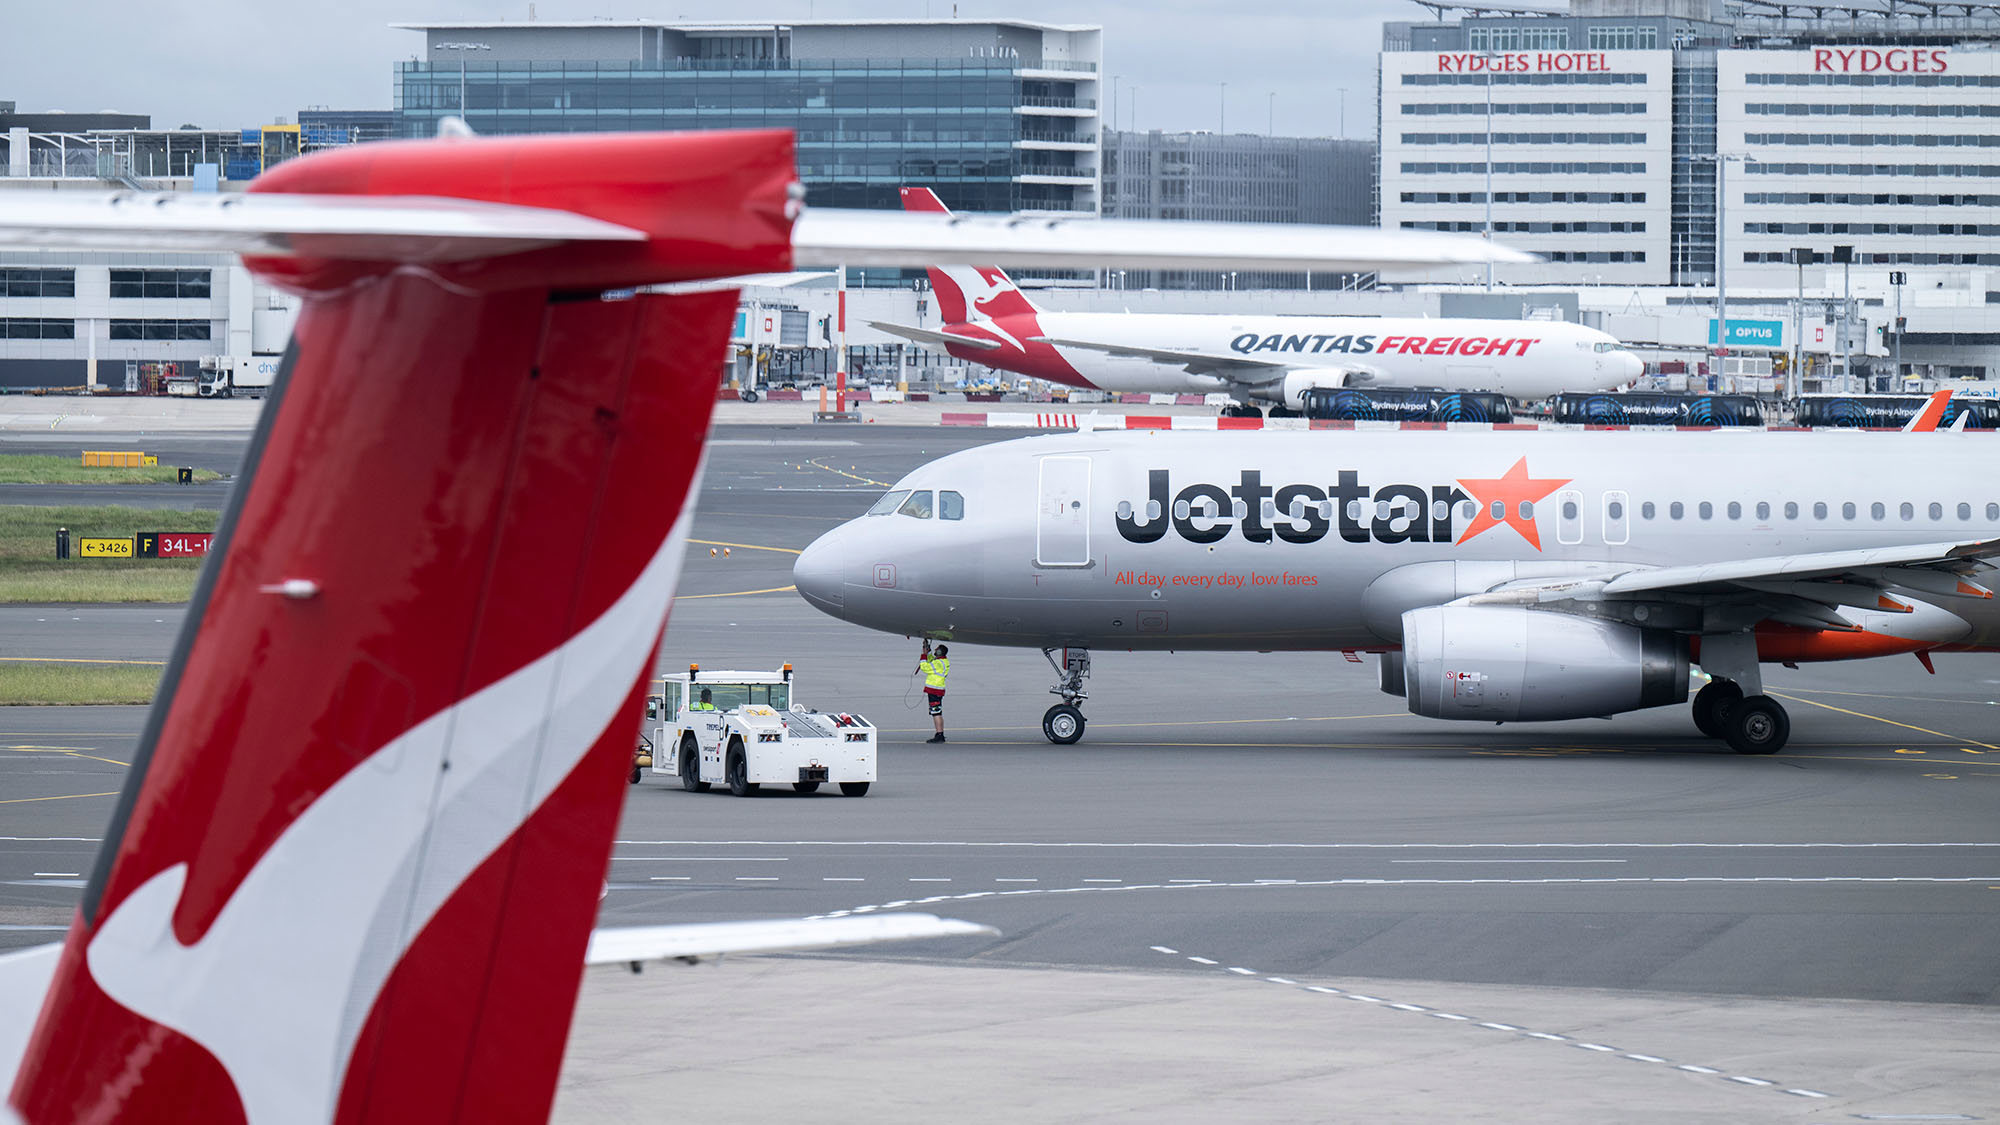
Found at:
[707, 701]
[935, 667]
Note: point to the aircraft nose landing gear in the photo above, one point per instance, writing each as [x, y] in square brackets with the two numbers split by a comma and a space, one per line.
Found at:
[1063, 723]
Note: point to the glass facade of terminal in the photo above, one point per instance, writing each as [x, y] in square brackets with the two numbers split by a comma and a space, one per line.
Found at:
[865, 126]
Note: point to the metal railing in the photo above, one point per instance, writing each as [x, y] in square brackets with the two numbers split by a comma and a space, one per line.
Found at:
[1052, 135]
[1045, 102]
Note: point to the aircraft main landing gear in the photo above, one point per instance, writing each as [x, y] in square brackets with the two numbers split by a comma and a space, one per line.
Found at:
[1241, 410]
[1063, 723]
[1754, 724]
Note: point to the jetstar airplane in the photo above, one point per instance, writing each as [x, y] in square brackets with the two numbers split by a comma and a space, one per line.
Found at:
[1268, 359]
[353, 873]
[1501, 576]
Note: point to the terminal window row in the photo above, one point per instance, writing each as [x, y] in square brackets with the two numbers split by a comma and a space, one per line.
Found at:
[160, 283]
[1528, 138]
[1593, 255]
[1524, 79]
[1886, 258]
[1569, 227]
[1871, 140]
[1869, 109]
[1526, 167]
[36, 328]
[19, 282]
[1987, 229]
[1517, 38]
[1626, 38]
[161, 329]
[1989, 80]
[1987, 171]
[1867, 199]
[1525, 197]
[1478, 109]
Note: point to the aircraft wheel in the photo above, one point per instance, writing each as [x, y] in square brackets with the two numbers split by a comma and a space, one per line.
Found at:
[738, 772]
[854, 789]
[805, 786]
[1712, 703]
[691, 768]
[635, 775]
[1063, 724]
[748, 396]
[1757, 725]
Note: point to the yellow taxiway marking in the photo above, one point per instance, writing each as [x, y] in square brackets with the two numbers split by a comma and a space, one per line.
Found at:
[1182, 723]
[850, 476]
[1889, 695]
[734, 593]
[77, 660]
[743, 546]
[1880, 719]
[65, 751]
[57, 797]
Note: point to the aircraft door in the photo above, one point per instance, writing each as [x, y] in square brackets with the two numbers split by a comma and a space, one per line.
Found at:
[1569, 516]
[1062, 515]
[1617, 518]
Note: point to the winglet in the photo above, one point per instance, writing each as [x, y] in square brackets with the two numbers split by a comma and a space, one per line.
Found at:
[1928, 418]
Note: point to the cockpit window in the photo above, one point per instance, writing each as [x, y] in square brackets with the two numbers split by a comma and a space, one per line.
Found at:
[918, 506]
[951, 506]
[889, 502]
[1606, 346]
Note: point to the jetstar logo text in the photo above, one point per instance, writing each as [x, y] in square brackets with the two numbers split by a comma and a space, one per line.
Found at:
[1868, 60]
[1381, 345]
[1357, 512]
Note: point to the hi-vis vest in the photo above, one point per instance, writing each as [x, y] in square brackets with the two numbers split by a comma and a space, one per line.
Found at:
[935, 670]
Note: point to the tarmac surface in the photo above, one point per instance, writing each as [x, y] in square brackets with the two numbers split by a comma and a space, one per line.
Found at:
[1258, 889]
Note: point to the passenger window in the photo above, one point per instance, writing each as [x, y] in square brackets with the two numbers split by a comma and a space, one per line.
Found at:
[1707, 510]
[1238, 509]
[1763, 510]
[1791, 509]
[918, 506]
[1468, 510]
[1270, 510]
[1819, 511]
[1152, 510]
[1616, 529]
[1965, 511]
[1354, 510]
[1569, 509]
[1676, 510]
[1646, 510]
[1877, 510]
[1527, 509]
[1907, 511]
[1735, 510]
[889, 502]
[1847, 510]
[1182, 509]
[1499, 509]
[1125, 510]
[1993, 511]
[951, 506]
[1937, 511]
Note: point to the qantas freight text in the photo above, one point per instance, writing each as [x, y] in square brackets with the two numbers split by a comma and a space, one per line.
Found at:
[1388, 345]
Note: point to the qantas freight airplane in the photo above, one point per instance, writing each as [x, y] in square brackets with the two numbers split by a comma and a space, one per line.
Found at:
[1501, 576]
[353, 873]
[1269, 359]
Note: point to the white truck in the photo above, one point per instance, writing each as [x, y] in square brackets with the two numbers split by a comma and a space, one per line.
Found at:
[740, 729]
[223, 376]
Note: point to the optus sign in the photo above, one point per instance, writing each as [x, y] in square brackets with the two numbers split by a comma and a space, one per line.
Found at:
[1870, 60]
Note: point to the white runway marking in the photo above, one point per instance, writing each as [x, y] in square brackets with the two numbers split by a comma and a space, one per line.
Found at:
[756, 878]
[843, 879]
[1510, 861]
[1247, 846]
[1507, 1027]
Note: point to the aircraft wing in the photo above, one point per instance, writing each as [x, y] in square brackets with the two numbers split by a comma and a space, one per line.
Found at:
[1236, 368]
[24, 982]
[899, 238]
[695, 940]
[1805, 590]
[928, 336]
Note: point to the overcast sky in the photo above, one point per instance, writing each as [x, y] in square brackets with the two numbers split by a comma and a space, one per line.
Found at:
[224, 64]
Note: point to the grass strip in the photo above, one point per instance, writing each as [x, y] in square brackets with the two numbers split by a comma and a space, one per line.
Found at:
[53, 682]
[30, 572]
[48, 468]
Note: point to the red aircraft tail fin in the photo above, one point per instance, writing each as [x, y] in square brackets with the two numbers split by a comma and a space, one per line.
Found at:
[967, 292]
[354, 871]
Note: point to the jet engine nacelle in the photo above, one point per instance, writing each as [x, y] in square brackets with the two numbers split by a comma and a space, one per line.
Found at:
[1292, 388]
[1509, 664]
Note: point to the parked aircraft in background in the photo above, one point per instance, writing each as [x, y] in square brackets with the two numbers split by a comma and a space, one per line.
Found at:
[354, 870]
[1501, 576]
[1256, 359]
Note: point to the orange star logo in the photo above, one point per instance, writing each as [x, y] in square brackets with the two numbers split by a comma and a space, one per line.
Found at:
[1511, 493]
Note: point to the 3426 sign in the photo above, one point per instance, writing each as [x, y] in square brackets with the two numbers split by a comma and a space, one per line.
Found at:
[173, 544]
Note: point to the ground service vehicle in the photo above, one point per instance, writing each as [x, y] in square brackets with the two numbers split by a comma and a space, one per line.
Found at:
[747, 734]
[223, 376]
[1398, 404]
[1641, 408]
[1888, 412]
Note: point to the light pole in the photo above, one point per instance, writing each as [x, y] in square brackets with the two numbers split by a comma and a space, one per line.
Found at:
[1488, 62]
[461, 48]
[1721, 161]
[1897, 278]
[1343, 113]
[1802, 256]
[1222, 109]
[1271, 114]
[1843, 256]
